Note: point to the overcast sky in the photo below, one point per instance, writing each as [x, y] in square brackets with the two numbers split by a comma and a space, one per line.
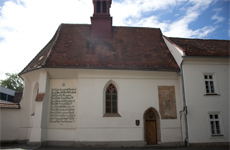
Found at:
[26, 26]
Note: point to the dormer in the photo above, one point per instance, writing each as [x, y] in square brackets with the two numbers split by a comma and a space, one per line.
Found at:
[101, 22]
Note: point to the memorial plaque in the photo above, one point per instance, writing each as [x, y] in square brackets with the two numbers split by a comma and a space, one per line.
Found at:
[62, 104]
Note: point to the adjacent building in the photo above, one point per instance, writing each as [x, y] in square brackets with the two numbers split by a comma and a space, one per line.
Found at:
[205, 70]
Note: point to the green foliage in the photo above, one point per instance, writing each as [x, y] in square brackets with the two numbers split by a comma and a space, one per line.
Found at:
[13, 81]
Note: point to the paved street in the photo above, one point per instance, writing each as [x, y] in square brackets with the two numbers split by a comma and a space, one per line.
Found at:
[25, 147]
[142, 148]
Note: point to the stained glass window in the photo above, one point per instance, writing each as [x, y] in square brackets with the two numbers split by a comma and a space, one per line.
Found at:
[111, 99]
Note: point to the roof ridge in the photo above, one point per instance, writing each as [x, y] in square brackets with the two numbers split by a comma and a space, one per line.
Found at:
[75, 24]
[112, 26]
[135, 27]
[198, 39]
[54, 43]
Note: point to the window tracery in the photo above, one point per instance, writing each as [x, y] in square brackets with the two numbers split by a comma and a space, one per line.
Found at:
[111, 99]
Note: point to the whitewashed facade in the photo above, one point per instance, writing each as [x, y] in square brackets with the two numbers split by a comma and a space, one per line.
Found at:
[137, 92]
[206, 95]
[201, 103]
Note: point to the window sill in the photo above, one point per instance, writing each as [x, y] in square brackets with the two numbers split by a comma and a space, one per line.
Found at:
[214, 94]
[111, 115]
[217, 136]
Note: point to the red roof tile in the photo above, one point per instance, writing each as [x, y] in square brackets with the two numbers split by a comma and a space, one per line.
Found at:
[130, 48]
[203, 47]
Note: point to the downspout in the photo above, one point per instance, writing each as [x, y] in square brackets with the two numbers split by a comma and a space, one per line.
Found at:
[184, 109]
[182, 138]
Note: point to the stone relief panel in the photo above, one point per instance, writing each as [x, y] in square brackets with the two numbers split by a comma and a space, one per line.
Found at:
[167, 102]
[62, 104]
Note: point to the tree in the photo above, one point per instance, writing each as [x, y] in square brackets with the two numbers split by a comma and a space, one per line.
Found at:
[13, 81]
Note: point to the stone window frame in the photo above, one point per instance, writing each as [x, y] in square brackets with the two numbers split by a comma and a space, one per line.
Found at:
[110, 114]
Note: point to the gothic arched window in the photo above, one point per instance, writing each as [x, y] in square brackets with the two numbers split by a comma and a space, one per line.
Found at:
[111, 99]
[98, 7]
[104, 7]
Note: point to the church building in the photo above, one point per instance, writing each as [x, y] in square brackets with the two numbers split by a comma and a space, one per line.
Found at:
[103, 85]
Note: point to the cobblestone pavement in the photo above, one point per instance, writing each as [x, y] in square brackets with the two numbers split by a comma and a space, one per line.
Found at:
[25, 147]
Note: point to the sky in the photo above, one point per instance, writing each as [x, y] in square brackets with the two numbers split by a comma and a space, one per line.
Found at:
[26, 26]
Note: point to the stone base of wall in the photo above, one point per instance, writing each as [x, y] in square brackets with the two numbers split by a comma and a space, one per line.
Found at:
[90, 144]
[173, 144]
[104, 144]
[123, 144]
[10, 142]
[112, 144]
[213, 144]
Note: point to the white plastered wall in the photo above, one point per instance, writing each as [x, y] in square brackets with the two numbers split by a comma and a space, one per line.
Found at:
[199, 104]
[27, 104]
[137, 91]
[9, 124]
[30, 109]
[38, 131]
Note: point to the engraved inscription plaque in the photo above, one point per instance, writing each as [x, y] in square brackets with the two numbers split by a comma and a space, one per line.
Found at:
[61, 108]
[62, 104]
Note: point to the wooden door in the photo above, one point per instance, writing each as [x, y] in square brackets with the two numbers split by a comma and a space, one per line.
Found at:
[151, 132]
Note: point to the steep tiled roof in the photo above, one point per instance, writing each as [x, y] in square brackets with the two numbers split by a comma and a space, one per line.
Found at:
[130, 48]
[203, 47]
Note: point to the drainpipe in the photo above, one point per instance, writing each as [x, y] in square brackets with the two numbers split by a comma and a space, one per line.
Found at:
[184, 111]
[182, 138]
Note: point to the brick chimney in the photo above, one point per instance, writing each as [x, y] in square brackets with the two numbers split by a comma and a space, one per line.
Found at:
[101, 22]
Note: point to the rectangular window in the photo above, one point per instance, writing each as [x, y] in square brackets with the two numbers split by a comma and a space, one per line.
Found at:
[10, 98]
[3, 96]
[215, 124]
[104, 6]
[98, 7]
[209, 84]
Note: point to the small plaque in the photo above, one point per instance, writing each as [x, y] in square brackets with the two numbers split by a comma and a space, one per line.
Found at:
[137, 122]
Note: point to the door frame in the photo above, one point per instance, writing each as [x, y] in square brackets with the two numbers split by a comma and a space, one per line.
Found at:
[155, 117]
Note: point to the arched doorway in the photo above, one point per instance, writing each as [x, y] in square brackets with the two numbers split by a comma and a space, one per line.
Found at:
[152, 127]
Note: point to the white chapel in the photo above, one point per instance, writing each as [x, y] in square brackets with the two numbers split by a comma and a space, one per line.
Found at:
[99, 84]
